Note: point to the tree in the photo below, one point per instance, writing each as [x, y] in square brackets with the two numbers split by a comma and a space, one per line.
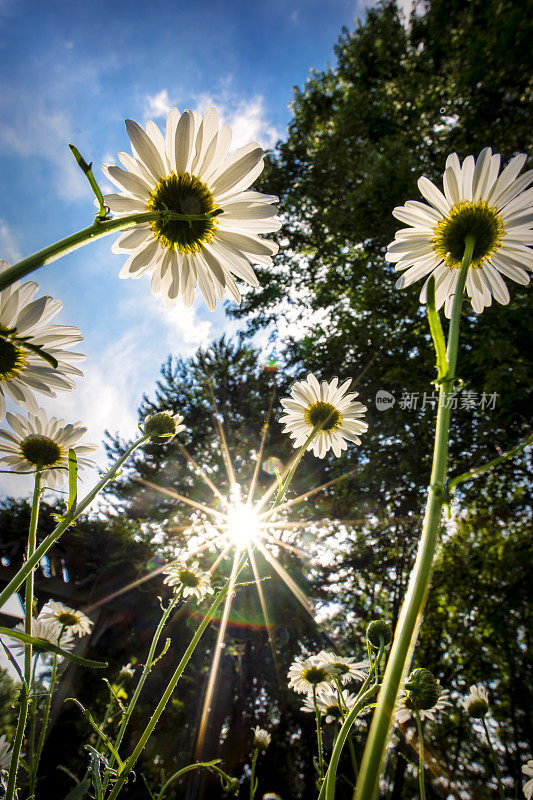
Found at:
[398, 101]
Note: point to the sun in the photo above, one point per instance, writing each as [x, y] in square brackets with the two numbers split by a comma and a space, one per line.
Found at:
[243, 525]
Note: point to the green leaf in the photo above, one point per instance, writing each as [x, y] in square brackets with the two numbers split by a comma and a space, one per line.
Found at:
[95, 773]
[72, 479]
[436, 332]
[86, 168]
[44, 644]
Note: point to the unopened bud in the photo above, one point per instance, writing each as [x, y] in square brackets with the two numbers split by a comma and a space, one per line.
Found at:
[423, 690]
[379, 633]
[232, 786]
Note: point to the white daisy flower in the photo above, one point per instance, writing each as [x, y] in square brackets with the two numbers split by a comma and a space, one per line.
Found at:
[405, 712]
[22, 371]
[74, 622]
[187, 171]
[496, 210]
[48, 631]
[327, 700]
[346, 669]
[5, 753]
[189, 578]
[527, 769]
[42, 443]
[306, 673]
[476, 703]
[262, 738]
[312, 402]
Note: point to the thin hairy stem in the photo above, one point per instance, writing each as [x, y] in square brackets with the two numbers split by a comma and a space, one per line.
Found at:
[494, 761]
[411, 614]
[421, 762]
[28, 618]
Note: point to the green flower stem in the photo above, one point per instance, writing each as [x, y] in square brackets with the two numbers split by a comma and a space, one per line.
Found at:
[33, 713]
[30, 580]
[204, 764]
[361, 700]
[319, 739]
[65, 523]
[421, 762]
[327, 791]
[299, 455]
[473, 473]
[146, 670]
[17, 741]
[95, 231]
[411, 614]
[28, 618]
[130, 762]
[352, 755]
[42, 735]
[252, 776]
[344, 709]
[494, 761]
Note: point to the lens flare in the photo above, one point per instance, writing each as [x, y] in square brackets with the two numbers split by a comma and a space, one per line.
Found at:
[243, 525]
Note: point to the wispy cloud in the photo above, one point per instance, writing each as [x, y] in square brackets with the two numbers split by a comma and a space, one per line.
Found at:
[157, 105]
[247, 118]
[8, 246]
[35, 130]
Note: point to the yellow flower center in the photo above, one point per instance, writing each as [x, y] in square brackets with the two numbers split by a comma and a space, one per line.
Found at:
[67, 619]
[12, 359]
[323, 413]
[314, 675]
[340, 668]
[41, 451]
[188, 578]
[468, 219]
[184, 194]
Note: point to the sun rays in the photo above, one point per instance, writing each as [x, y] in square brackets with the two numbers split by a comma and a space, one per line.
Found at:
[239, 521]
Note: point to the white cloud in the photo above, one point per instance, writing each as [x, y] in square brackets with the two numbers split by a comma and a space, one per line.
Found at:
[248, 118]
[157, 105]
[8, 247]
[40, 132]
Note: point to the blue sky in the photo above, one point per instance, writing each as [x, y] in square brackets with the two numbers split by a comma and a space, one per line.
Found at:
[73, 71]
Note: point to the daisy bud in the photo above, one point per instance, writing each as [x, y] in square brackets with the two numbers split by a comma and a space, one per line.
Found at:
[379, 633]
[476, 704]
[163, 426]
[261, 738]
[423, 690]
[232, 786]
